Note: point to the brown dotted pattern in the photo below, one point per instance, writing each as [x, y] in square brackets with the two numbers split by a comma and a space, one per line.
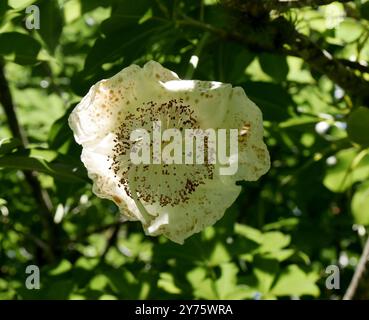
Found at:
[166, 184]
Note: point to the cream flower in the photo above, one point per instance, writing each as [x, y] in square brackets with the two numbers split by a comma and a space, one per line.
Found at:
[172, 199]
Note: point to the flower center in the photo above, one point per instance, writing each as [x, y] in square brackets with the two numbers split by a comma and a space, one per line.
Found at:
[157, 182]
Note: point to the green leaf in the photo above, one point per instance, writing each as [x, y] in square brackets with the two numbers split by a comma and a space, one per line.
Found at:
[265, 271]
[62, 171]
[349, 30]
[274, 241]
[167, 283]
[301, 122]
[203, 288]
[20, 4]
[351, 167]
[232, 59]
[280, 255]
[358, 126]
[99, 282]
[51, 23]
[93, 4]
[123, 35]
[9, 145]
[59, 290]
[364, 10]
[295, 282]
[116, 50]
[60, 131]
[225, 287]
[192, 251]
[108, 297]
[360, 204]
[125, 43]
[3, 8]
[63, 267]
[3, 284]
[287, 223]
[19, 47]
[249, 233]
[123, 282]
[272, 99]
[219, 254]
[126, 14]
[275, 66]
[227, 282]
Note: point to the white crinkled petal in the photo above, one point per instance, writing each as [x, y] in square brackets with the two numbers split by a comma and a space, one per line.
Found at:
[204, 208]
[253, 156]
[105, 185]
[101, 110]
[98, 115]
[208, 98]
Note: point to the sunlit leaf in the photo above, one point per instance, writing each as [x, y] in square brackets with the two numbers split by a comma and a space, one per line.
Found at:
[350, 167]
[295, 282]
[360, 204]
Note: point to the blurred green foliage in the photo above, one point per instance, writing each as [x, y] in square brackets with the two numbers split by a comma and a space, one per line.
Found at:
[275, 242]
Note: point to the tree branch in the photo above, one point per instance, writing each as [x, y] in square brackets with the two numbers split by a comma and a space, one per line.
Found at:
[280, 36]
[305, 3]
[41, 196]
[322, 61]
[355, 65]
[360, 269]
[36, 240]
[283, 37]
[257, 6]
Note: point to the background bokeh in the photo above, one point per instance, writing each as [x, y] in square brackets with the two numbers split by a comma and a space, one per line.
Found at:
[308, 212]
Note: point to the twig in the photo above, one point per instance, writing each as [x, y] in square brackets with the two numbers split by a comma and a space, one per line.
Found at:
[97, 230]
[360, 269]
[41, 196]
[36, 240]
[111, 241]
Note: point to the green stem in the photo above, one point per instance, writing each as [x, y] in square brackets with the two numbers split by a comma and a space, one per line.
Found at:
[191, 66]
